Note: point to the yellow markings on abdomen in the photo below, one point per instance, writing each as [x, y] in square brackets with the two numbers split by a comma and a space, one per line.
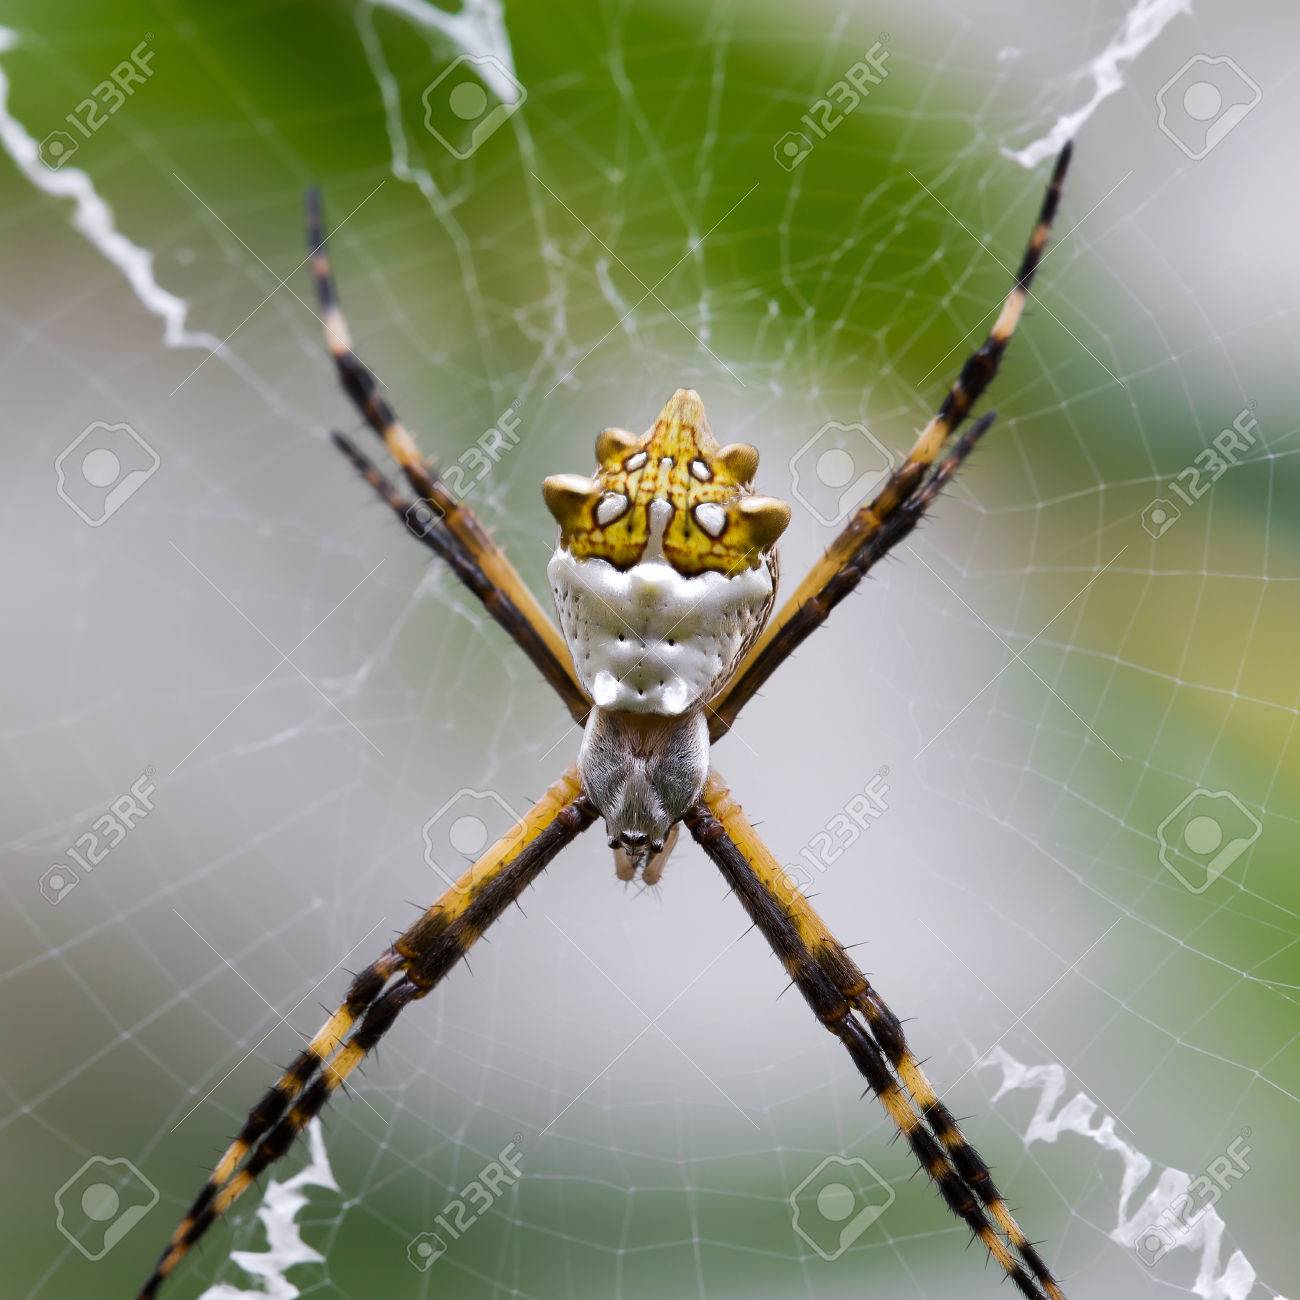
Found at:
[717, 524]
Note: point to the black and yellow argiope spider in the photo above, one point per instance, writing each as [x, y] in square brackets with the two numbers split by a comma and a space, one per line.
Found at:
[664, 579]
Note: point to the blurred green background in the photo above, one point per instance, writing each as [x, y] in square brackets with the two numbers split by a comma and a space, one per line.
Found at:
[1044, 680]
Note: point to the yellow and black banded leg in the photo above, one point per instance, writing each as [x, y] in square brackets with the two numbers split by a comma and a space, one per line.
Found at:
[498, 604]
[410, 969]
[864, 538]
[843, 999]
[812, 611]
[888, 1032]
[545, 645]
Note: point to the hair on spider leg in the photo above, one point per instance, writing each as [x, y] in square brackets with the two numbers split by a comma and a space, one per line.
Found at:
[895, 1136]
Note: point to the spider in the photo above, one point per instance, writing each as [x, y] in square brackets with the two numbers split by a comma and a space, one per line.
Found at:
[664, 579]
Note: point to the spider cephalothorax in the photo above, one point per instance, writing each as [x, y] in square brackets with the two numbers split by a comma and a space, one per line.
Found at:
[664, 575]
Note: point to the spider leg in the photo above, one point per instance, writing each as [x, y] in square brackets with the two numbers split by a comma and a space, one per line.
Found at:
[523, 631]
[419, 959]
[810, 614]
[361, 386]
[844, 1001]
[865, 538]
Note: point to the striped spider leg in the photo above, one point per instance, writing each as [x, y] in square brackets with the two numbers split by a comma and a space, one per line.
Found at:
[843, 999]
[409, 970]
[859, 544]
[504, 594]
[664, 576]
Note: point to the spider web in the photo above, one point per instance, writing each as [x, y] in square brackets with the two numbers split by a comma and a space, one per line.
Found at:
[1035, 682]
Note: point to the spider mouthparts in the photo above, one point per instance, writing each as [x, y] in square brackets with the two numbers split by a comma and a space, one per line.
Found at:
[638, 843]
[637, 854]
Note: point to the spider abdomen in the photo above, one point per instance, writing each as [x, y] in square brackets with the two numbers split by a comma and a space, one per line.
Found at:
[649, 640]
